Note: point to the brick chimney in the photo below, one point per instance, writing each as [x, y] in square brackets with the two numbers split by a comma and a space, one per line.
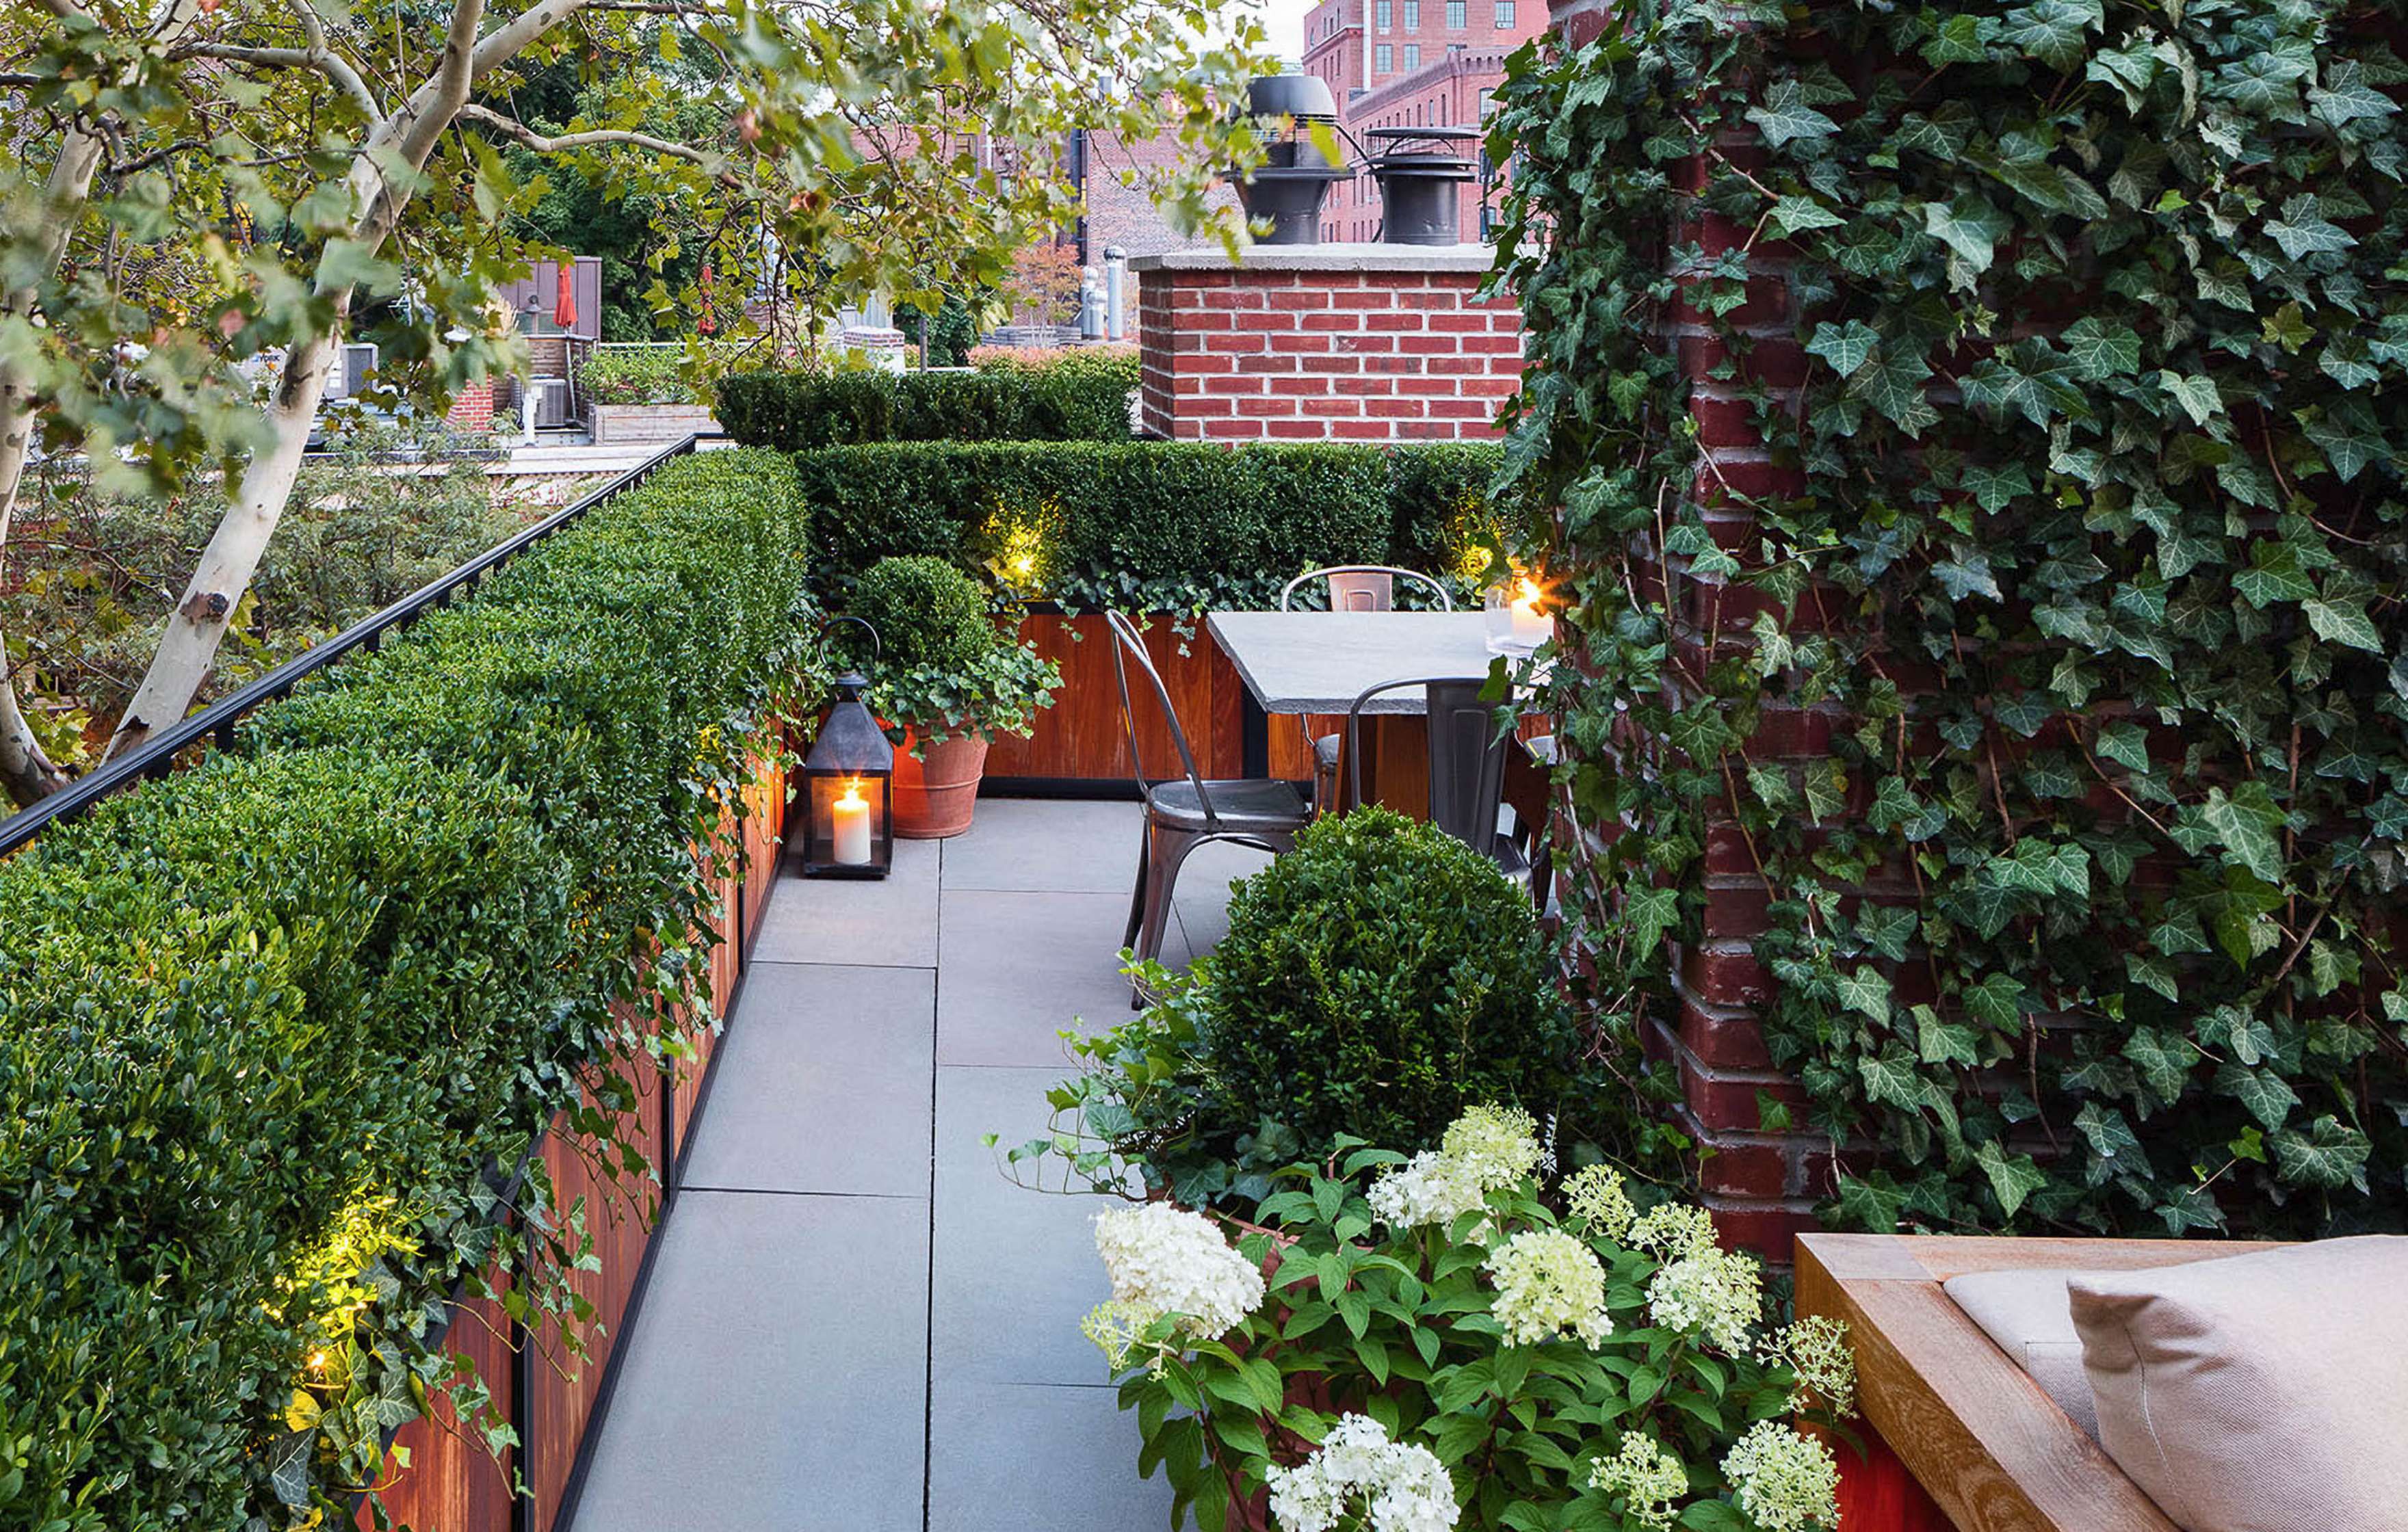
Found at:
[1325, 342]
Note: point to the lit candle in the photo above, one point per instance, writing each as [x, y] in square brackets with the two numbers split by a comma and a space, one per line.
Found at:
[850, 829]
[1531, 626]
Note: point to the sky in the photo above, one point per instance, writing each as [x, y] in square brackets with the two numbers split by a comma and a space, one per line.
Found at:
[1284, 19]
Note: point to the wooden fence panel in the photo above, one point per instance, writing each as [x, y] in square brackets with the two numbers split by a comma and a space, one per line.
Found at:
[453, 1484]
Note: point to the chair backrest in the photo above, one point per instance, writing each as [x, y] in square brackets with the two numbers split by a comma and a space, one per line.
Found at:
[1129, 644]
[1364, 587]
[1466, 754]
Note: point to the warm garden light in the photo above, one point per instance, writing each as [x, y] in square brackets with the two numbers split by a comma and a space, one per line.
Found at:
[848, 787]
[1518, 621]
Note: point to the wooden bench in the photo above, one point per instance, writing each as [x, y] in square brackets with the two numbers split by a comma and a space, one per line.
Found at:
[1966, 1440]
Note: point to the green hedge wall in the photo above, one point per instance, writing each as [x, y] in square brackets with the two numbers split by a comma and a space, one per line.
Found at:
[272, 1030]
[1158, 526]
[1074, 397]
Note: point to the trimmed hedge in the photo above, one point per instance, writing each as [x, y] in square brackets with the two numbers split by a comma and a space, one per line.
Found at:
[272, 1030]
[1159, 527]
[1078, 396]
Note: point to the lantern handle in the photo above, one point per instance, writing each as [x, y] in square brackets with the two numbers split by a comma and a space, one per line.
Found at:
[861, 622]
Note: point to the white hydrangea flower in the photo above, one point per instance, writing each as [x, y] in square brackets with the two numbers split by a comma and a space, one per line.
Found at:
[1404, 1487]
[1673, 1230]
[1816, 1348]
[1652, 1480]
[1485, 1150]
[1165, 1260]
[1116, 1327]
[1550, 1283]
[1712, 1292]
[1598, 1197]
[1786, 1481]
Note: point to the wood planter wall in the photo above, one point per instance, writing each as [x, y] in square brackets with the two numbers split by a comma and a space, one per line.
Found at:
[1082, 738]
[554, 1399]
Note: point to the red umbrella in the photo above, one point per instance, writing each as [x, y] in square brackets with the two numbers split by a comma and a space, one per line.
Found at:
[565, 311]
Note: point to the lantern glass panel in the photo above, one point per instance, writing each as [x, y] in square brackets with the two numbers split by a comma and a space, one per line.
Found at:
[850, 823]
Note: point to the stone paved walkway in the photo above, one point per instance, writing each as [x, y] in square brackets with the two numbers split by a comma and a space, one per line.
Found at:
[855, 1322]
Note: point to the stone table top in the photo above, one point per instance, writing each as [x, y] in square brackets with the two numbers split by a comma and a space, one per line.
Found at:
[1318, 662]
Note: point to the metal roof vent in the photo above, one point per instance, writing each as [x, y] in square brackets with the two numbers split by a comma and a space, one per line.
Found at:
[1287, 189]
[1418, 169]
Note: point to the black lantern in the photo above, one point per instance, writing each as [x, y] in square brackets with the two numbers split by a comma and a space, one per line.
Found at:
[849, 787]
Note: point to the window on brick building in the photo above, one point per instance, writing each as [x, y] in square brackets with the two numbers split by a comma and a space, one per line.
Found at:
[1412, 15]
[1413, 55]
[1387, 14]
[1504, 15]
[1457, 18]
[1383, 58]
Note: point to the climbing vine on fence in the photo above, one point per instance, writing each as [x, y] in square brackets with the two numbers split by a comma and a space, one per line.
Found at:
[2078, 522]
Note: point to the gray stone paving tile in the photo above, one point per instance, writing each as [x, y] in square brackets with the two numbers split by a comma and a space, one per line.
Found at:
[1019, 1458]
[1018, 968]
[890, 921]
[823, 1083]
[1016, 1269]
[775, 1380]
[1035, 844]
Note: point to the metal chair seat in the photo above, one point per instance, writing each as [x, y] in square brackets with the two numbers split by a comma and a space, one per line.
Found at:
[1236, 806]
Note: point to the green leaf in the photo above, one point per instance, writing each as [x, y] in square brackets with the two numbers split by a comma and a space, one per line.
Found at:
[2302, 230]
[1846, 347]
[1652, 913]
[1967, 226]
[2343, 621]
[1790, 214]
[2195, 395]
[1784, 117]
[2014, 1178]
[2246, 822]
[2266, 1095]
[2125, 743]
[2101, 349]
[1827, 789]
[2328, 1155]
[1865, 992]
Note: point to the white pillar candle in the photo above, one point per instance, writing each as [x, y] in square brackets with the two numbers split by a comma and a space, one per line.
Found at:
[849, 829]
[1531, 626]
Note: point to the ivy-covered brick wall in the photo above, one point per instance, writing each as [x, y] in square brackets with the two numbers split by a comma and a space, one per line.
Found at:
[1966, 439]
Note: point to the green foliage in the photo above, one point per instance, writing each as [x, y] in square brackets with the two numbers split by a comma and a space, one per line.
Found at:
[640, 375]
[2091, 564]
[381, 516]
[944, 669]
[275, 1031]
[1149, 526]
[1410, 1326]
[1379, 979]
[1080, 397]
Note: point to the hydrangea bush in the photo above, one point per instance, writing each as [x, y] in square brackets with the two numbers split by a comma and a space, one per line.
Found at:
[1409, 1344]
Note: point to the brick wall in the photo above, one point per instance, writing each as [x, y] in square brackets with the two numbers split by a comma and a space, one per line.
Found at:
[1761, 1181]
[1324, 342]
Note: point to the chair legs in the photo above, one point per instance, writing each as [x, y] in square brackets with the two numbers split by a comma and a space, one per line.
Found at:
[1158, 875]
[1137, 899]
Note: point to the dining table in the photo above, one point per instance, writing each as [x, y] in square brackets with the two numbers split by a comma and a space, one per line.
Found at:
[1312, 666]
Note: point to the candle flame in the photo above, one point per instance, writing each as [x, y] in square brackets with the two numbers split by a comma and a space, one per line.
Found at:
[1528, 595]
[851, 793]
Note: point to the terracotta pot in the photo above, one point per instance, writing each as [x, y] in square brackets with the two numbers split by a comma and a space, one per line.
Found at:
[934, 797]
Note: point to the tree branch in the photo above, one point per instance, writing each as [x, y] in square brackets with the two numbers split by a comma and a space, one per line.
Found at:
[519, 131]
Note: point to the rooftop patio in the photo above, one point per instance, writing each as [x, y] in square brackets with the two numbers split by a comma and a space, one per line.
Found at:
[856, 1320]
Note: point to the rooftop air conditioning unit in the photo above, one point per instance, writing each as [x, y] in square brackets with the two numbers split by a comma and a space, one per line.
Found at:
[551, 403]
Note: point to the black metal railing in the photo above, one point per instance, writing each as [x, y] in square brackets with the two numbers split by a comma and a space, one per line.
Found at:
[157, 755]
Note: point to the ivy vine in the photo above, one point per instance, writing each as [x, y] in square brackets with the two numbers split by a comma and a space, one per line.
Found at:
[2077, 524]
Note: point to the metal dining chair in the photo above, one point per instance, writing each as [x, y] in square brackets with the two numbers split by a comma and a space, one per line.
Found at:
[1467, 763]
[1185, 812]
[1354, 587]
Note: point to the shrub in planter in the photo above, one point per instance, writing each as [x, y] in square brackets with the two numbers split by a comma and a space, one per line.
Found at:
[1375, 981]
[948, 678]
[1445, 1341]
[1378, 980]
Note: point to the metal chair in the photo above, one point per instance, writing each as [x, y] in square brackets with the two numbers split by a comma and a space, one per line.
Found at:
[1354, 587]
[1467, 763]
[1183, 813]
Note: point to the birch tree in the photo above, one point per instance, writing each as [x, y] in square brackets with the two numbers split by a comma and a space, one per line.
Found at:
[195, 187]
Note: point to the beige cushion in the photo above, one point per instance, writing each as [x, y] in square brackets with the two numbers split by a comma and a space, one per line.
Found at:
[2026, 1314]
[2262, 1393]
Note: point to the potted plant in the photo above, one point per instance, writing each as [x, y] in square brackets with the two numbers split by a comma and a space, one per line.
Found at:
[946, 679]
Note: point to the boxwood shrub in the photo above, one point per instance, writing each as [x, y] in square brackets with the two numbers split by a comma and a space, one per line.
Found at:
[273, 1031]
[1164, 526]
[1077, 396]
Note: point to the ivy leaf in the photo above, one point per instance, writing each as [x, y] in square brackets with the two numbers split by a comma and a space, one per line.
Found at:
[1891, 1079]
[2110, 1137]
[2164, 1061]
[2245, 822]
[2156, 972]
[2343, 621]
[1993, 486]
[1944, 1043]
[1792, 213]
[2050, 30]
[2303, 230]
[1846, 347]
[2346, 97]
[2190, 1208]
[1966, 574]
[2012, 1176]
[1865, 992]
[1827, 789]
[2346, 434]
[2196, 394]
[1996, 1002]
[1966, 227]
[2101, 348]
[2328, 1155]
[1959, 39]
[1784, 117]
[1652, 913]
[1893, 385]
[2273, 575]
[2125, 743]
[2269, 1097]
